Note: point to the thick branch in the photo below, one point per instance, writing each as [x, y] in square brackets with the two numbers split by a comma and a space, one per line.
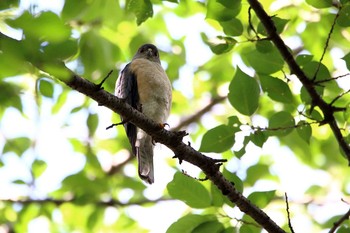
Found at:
[327, 109]
[172, 140]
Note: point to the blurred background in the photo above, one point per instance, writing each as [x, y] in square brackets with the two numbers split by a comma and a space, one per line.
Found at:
[62, 171]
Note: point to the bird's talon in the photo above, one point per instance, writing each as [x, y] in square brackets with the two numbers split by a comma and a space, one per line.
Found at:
[162, 125]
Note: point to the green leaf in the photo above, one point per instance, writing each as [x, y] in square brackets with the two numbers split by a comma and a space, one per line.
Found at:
[189, 190]
[305, 97]
[219, 45]
[38, 167]
[19, 181]
[276, 89]
[92, 123]
[216, 196]
[344, 17]
[279, 24]
[17, 145]
[223, 10]
[281, 124]
[304, 130]
[209, 227]
[262, 199]
[346, 58]
[141, 8]
[303, 59]
[256, 172]
[347, 113]
[264, 46]
[259, 138]
[60, 102]
[311, 68]
[218, 139]
[233, 178]
[46, 88]
[320, 3]
[46, 26]
[244, 93]
[10, 96]
[8, 4]
[232, 27]
[264, 63]
[189, 222]
[61, 50]
[104, 52]
[233, 4]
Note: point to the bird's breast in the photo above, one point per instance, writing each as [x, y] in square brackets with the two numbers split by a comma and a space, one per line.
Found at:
[154, 89]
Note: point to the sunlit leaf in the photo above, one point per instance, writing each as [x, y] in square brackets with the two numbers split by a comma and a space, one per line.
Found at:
[17, 145]
[222, 10]
[347, 113]
[8, 4]
[320, 3]
[303, 59]
[279, 24]
[189, 190]
[141, 8]
[187, 223]
[46, 88]
[256, 172]
[262, 199]
[344, 17]
[219, 45]
[209, 227]
[276, 89]
[304, 130]
[19, 182]
[265, 63]
[218, 139]
[232, 27]
[61, 50]
[38, 167]
[281, 124]
[44, 26]
[244, 93]
[259, 138]
[92, 123]
[346, 58]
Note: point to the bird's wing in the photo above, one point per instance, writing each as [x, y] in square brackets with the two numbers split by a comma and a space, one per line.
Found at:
[126, 89]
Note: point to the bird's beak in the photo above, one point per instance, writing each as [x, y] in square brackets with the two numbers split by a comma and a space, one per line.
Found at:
[149, 52]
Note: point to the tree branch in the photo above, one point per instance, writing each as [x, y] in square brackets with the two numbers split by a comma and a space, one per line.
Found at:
[327, 109]
[173, 140]
[340, 221]
[59, 202]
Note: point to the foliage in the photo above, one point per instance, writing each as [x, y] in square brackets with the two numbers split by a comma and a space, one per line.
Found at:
[72, 175]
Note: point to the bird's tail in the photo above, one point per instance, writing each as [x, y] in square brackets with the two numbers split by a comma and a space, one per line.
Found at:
[145, 158]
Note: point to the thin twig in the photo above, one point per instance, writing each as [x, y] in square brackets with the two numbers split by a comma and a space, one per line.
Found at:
[339, 222]
[288, 214]
[339, 96]
[331, 79]
[250, 23]
[326, 44]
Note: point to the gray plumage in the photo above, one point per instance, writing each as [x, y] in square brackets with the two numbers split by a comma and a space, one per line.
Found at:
[145, 86]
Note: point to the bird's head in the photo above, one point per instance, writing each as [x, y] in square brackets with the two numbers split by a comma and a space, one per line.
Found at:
[148, 51]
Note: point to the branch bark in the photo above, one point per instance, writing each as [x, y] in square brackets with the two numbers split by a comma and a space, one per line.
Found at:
[327, 109]
[172, 140]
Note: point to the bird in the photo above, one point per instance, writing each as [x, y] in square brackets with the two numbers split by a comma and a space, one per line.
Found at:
[145, 86]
